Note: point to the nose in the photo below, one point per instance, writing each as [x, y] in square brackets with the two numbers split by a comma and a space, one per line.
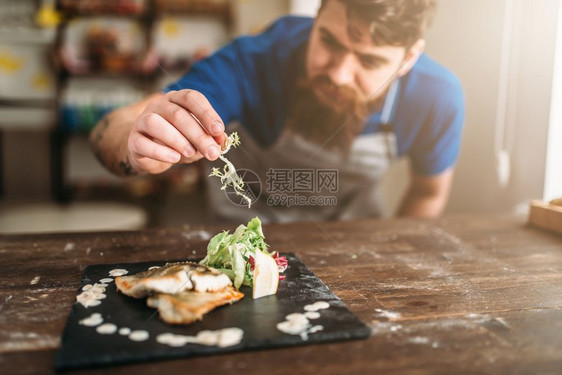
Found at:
[342, 69]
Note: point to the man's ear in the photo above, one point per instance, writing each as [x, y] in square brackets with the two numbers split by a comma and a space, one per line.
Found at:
[412, 56]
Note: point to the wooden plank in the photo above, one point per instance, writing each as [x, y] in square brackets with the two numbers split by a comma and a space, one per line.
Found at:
[546, 216]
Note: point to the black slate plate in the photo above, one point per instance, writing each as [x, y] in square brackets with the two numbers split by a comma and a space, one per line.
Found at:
[82, 346]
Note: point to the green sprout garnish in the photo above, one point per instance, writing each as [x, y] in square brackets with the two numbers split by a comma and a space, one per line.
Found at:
[228, 176]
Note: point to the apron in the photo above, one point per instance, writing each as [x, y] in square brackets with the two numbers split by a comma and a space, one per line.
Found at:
[358, 175]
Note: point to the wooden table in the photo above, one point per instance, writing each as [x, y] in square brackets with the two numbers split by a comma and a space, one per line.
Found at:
[463, 294]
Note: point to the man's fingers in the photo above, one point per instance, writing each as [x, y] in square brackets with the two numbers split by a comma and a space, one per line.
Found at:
[221, 140]
[191, 130]
[192, 159]
[163, 132]
[141, 146]
[197, 103]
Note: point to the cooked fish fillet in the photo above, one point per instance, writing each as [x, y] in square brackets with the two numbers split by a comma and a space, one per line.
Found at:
[189, 306]
[171, 279]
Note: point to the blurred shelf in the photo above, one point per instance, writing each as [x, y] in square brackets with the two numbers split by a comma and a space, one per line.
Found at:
[26, 103]
[129, 74]
[152, 9]
[81, 8]
[225, 16]
[27, 36]
[81, 48]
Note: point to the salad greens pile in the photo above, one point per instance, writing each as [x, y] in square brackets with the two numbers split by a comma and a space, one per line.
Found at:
[229, 176]
[233, 254]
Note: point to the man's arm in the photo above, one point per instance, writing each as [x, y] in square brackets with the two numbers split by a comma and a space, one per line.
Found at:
[152, 135]
[427, 195]
[109, 138]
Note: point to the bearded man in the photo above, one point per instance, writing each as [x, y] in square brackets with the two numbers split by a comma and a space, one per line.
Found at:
[323, 106]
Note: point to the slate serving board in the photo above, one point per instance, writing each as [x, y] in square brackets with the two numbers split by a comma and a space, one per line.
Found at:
[82, 346]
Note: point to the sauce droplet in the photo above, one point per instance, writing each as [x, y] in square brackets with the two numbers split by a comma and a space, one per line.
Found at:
[139, 335]
[118, 272]
[106, 329]
[92, 321]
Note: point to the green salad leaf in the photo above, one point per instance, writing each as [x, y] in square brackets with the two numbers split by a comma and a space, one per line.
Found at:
[230, 253]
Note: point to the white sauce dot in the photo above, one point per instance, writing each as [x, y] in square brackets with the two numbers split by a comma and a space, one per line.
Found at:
[312, 315]
[118, 272]
[139, 335]
[299, 324]
[124, 331]
[230, 337]
[91, 295]
[315, 329]
[92, 321]
[171, 339]
[294, 325]
[320, 305]
[106, 329]
[91, 303]
[223, 338]
[207, 338]
[87, 299]
[296, 317]
[106, 280]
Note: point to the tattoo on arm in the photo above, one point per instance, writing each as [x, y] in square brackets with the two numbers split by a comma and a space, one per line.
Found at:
[126, 167]
[104, 151]
[100, 131]
[97, 137]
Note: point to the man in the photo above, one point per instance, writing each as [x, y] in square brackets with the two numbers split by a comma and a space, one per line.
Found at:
[347, 92]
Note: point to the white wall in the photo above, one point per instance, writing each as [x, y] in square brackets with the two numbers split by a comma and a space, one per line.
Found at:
[553, 183]
[304, 7]
[467, 38]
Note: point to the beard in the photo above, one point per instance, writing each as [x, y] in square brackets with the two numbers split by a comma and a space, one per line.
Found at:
[333, 127]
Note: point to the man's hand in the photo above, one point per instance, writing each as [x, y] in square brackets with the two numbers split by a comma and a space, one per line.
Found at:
[178, 127]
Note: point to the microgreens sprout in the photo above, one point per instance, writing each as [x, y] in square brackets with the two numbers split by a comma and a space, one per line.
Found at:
[228, 176]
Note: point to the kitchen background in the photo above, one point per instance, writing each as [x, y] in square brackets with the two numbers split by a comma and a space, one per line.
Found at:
[65, 63]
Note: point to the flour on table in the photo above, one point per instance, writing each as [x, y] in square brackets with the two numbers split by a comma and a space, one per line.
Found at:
[390, 315]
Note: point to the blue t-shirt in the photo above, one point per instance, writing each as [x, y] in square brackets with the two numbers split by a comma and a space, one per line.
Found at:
[252, 80]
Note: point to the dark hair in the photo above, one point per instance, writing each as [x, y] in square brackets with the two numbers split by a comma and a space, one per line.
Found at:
[390, 22]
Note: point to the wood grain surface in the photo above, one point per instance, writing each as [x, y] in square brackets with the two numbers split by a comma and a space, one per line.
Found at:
[462, 294]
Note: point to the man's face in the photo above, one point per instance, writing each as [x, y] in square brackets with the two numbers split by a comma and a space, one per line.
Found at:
[341, 67]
